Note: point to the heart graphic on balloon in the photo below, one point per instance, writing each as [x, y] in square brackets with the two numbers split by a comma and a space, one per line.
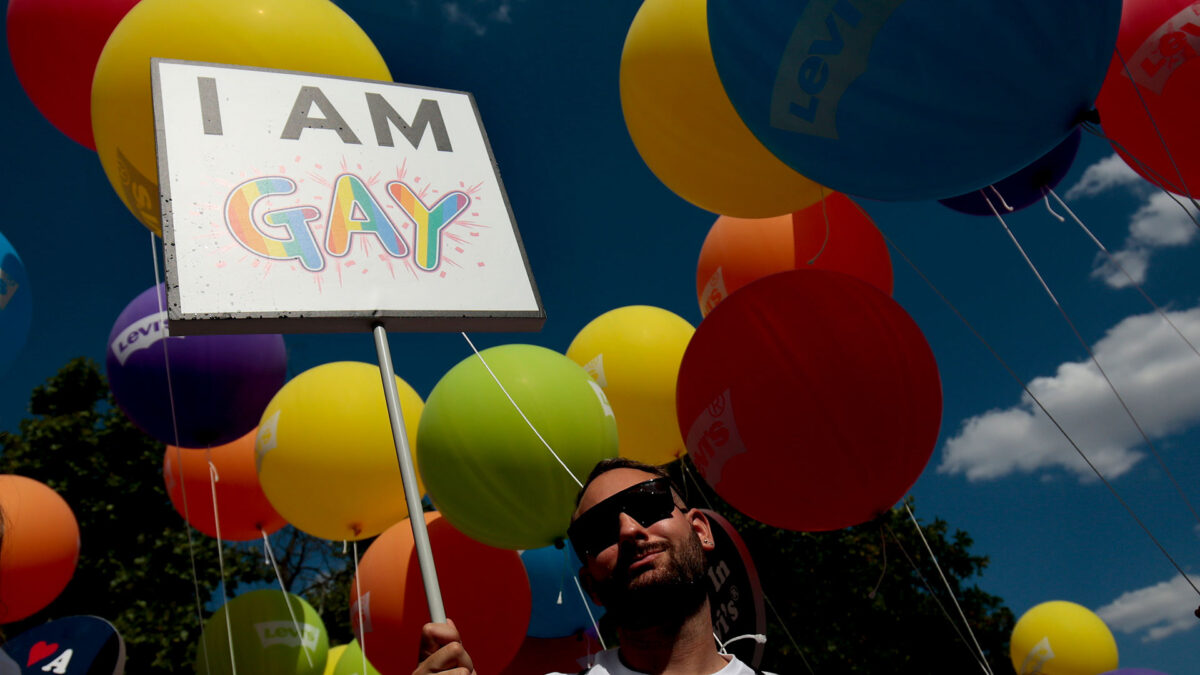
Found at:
[40, 651]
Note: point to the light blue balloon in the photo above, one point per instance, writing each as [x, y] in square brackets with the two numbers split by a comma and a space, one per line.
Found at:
[558, 610]
[16, 304]
[911, 99]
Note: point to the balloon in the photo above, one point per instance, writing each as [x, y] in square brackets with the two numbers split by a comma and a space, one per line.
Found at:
[327, 432]
[1025, 187]
[633, 353]
[1062, 638]
[303, 35]
[1158, 94]
[350, 662]
[685, 128]
[16, 304]
[331, 659]
[486, 470]
[40, 546]
[243, 508]
[54, 46]
[809, 400]
[911, 100]
[74, 644]
[484, 591]
[552, 655]
[265, 640]
[736, 598]
[558, 610]
[217, 387]
[834, 234]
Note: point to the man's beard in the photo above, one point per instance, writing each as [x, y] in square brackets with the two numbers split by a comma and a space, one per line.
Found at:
[661, 598]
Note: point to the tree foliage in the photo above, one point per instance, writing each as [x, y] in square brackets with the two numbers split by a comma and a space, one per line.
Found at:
[137, 557]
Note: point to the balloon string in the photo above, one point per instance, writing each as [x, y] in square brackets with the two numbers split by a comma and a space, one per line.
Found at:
[882, 572]
[1053, 420]
[1096, 362]
[362, 632]
[1154, 125]
[1046, 198]
[828, 228]
[521, 412]
[583, 597]
[778, 618]
[187, 527]
[1154, 178]
[986, 668]
[213, 477]
[999, 197]
[286, 600]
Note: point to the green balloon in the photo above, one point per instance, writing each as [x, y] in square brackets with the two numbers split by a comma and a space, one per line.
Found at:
[486, 470]
[265, 641]
[351, 662]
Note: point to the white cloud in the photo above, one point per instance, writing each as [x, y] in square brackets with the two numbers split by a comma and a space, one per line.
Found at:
[1157, 374]
[477, 14]
[1110, 172]
[1156, 611]
[1159, 222]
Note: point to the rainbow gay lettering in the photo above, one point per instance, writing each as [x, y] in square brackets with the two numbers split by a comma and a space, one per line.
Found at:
[299, 244]
[354, 209]
[427, 247]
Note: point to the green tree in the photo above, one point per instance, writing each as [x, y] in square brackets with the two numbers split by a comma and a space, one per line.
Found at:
[868, 599]
[136, 561]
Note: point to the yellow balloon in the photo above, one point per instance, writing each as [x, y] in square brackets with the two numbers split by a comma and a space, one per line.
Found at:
[331, 660]
[1062, 638]
[685, 127]
[326, 460]
[634, 353]
[303, 35]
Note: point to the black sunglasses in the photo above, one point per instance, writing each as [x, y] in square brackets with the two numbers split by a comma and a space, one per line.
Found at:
[600, 526]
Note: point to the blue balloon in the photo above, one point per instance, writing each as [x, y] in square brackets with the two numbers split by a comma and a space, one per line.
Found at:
[912, 99]
[558, 610]
[1023, 188]
[16, 304]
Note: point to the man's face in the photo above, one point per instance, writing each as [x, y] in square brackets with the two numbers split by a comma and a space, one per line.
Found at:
[652, 572]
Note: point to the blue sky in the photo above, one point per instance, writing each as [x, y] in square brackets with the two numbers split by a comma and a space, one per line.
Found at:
[546, 84]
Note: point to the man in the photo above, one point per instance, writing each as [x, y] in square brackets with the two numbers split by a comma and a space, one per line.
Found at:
[643, 560]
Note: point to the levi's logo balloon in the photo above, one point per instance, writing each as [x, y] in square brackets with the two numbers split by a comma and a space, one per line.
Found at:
[1166, 50]
[284, 633]
[139, 335]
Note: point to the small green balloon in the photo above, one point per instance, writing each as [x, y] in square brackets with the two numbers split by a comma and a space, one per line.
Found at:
[351, 662]
[486, 470]
[265, 640]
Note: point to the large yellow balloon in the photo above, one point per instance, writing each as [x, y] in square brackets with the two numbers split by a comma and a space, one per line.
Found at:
[304, 35]
[685, 127]
[326, 459]
[633, 353]
[1062, 638]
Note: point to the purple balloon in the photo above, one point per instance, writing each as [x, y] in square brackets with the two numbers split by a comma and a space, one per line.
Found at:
[1023, 188]
[220, 384]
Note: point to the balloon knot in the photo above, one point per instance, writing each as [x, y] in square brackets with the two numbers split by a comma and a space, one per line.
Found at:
[1092, 116]
[560, 543]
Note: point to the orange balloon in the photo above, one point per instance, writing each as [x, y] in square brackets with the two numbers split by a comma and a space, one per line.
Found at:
[484, 589]
[39, 547]
[539, 656]
[243, 508]
[833, 234]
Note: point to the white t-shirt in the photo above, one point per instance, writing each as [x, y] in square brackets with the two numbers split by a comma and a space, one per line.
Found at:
[608, 663]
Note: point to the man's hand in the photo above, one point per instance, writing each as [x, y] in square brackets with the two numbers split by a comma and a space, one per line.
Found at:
[442, 651]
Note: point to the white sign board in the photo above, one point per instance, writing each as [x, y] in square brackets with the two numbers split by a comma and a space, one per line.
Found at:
[294, 202]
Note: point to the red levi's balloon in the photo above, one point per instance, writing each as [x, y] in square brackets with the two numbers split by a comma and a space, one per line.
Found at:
[244, 510]
[809, 400]
[1160, 43]
[485, 592]
[834, 234]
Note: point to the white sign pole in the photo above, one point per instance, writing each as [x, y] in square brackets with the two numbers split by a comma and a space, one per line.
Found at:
[412, 495]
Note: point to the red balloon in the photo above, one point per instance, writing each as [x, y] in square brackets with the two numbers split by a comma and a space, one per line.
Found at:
[244, 510]
[539, 656]
[40, 546]
[1160, 93]
[54, 45]
[833, 234]
[809, 400]
[485, 592]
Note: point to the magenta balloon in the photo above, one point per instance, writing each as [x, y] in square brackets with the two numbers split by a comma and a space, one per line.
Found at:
[220, 384]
